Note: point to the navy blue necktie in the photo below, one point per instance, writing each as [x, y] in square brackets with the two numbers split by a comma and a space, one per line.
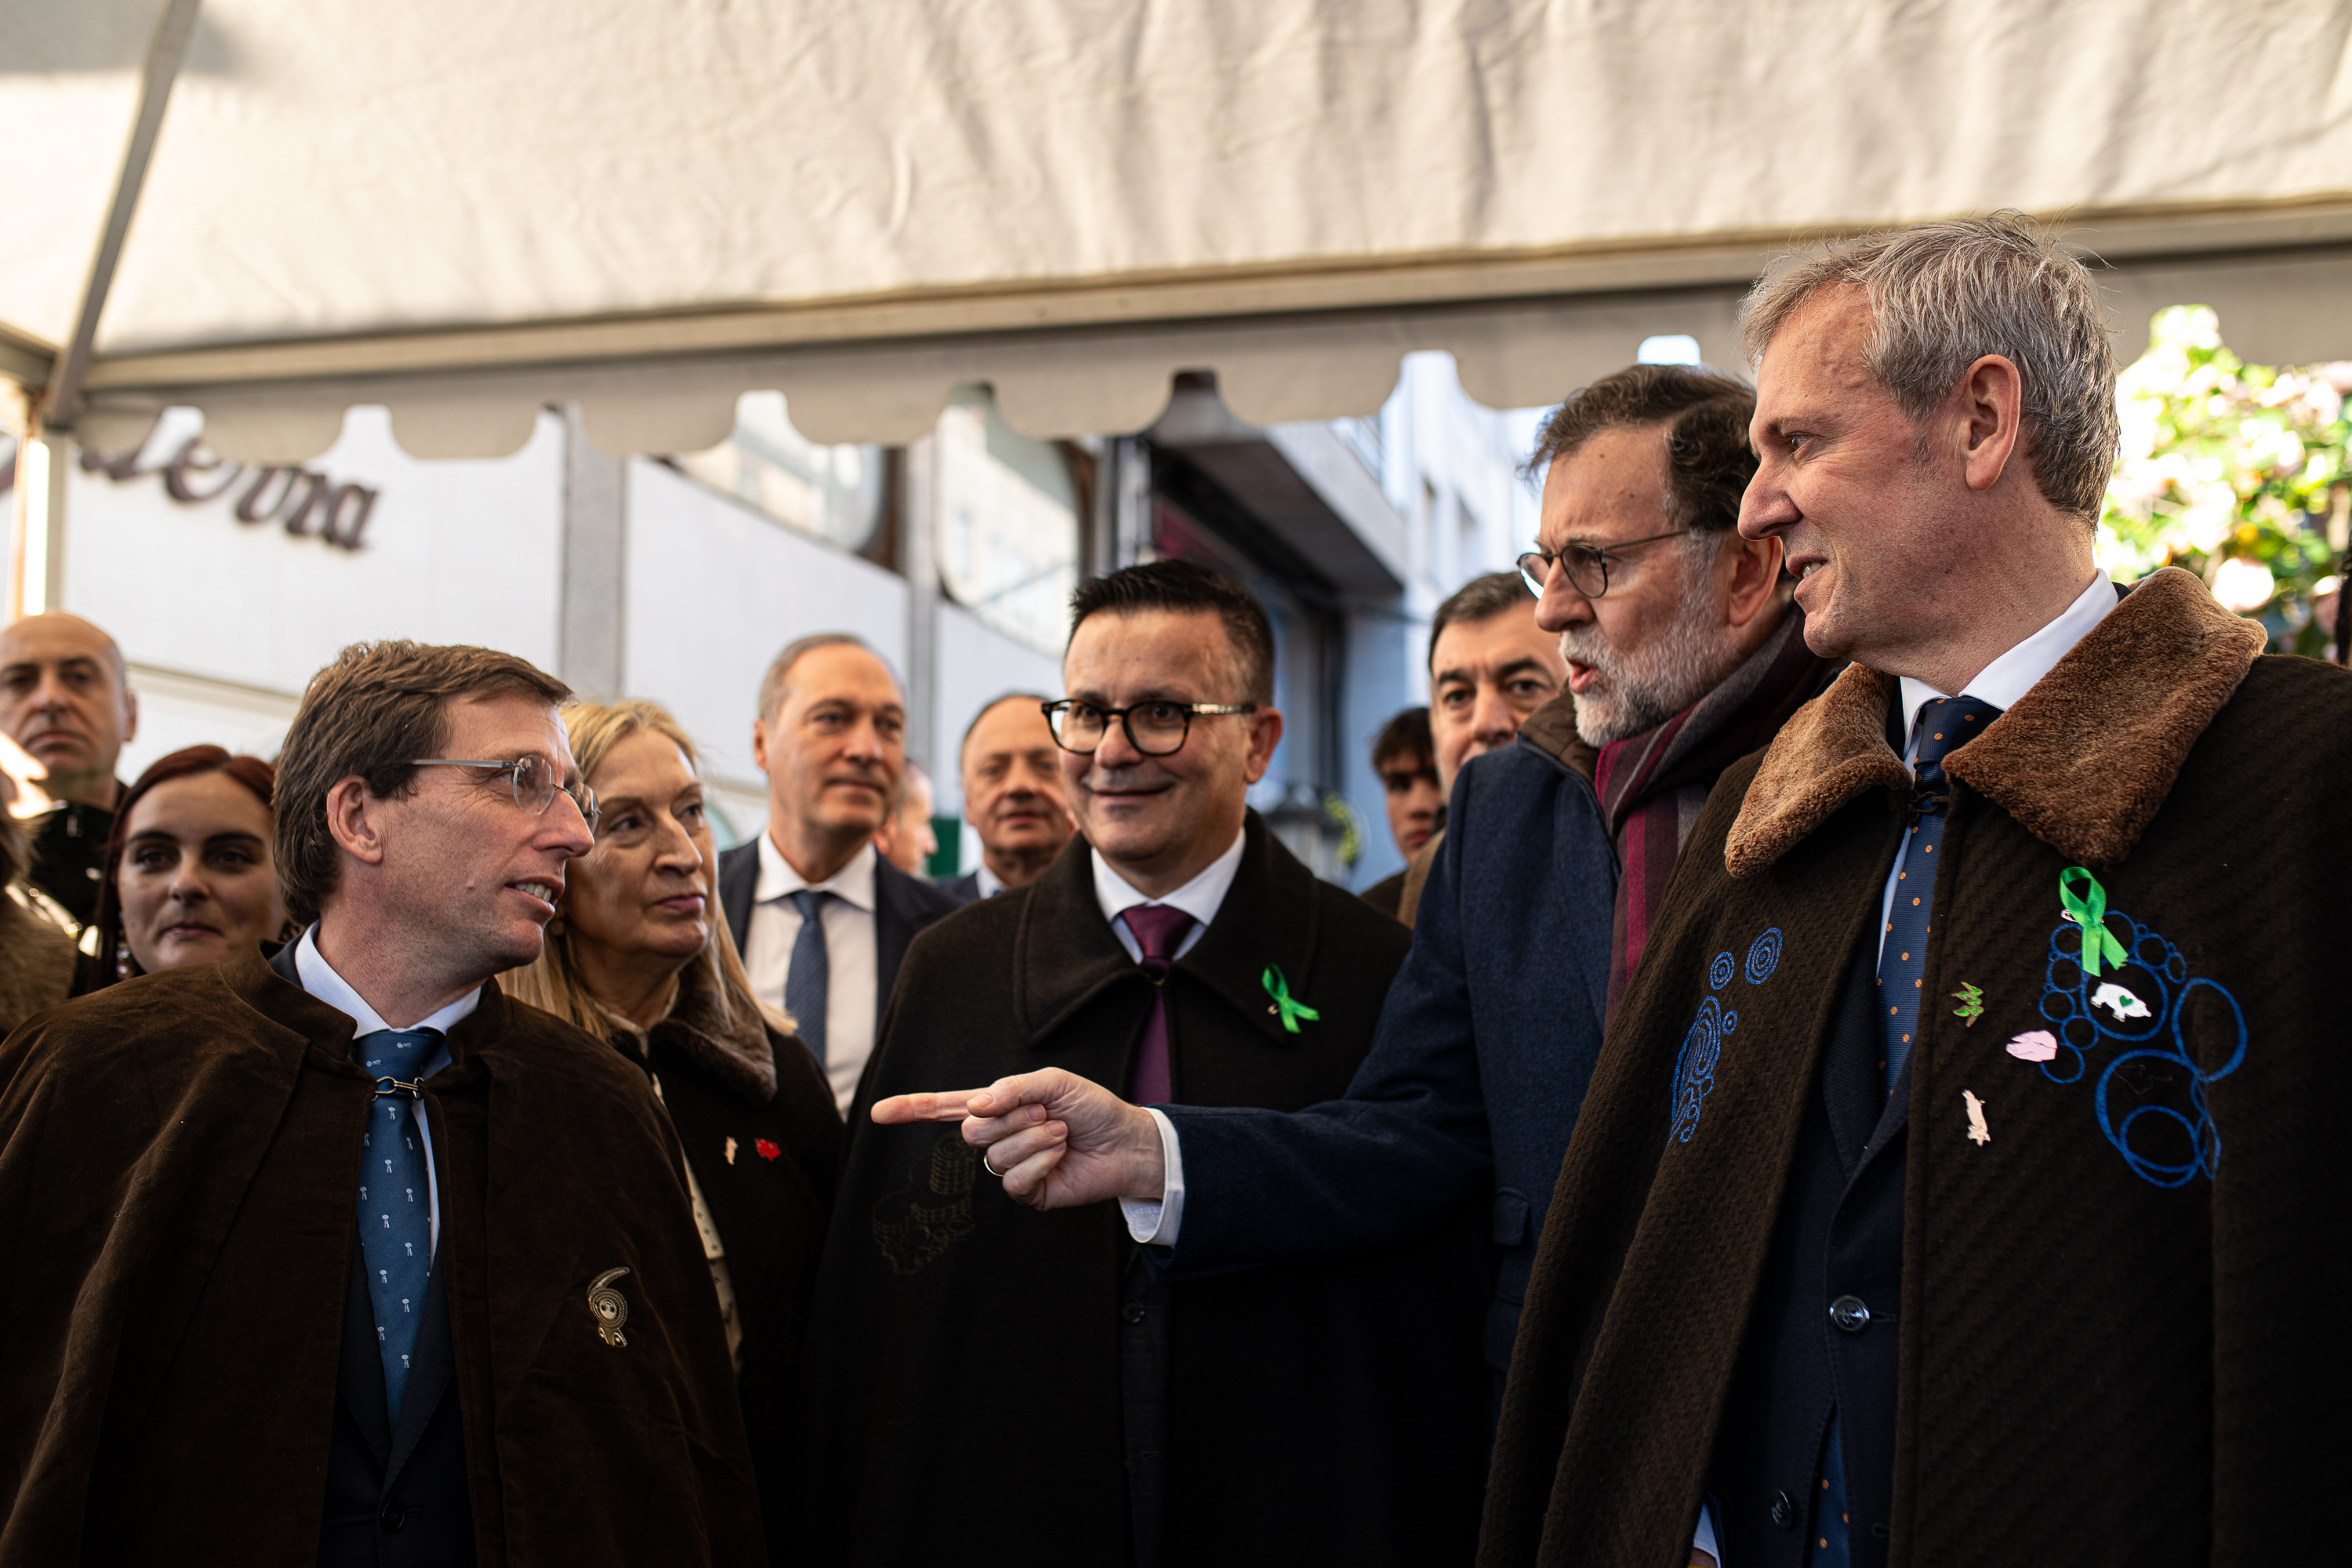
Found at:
[394, 1205]
[1945, 723]
[809, 978]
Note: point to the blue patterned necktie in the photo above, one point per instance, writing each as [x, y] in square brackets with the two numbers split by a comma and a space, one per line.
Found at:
[1944, 724]
[806, 982]
[396, 1210]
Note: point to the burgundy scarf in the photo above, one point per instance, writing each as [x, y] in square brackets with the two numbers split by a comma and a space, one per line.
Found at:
[1654, 785]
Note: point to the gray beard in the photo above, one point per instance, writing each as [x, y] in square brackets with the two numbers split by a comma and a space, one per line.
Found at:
[1641, 689]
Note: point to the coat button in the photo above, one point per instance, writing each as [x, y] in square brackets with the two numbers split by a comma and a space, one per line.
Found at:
[1784, 1510]
[393, 1517]
[1132, 1311]
[1849, 1314]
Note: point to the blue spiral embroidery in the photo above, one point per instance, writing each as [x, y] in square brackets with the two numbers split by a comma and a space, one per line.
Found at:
[1694, 1068]
[2146, 1003]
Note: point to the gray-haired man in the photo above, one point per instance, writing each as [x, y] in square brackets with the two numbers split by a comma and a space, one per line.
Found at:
[2045, 1276]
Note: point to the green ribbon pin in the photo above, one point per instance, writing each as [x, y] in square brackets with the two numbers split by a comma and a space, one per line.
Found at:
[1289, 1006]
[2089, 911]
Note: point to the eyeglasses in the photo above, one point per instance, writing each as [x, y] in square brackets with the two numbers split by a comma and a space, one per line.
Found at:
[536, 784]
[1586, 564]
[1155, 729]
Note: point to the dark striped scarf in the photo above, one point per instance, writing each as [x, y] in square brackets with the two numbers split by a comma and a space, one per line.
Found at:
[1654, 785]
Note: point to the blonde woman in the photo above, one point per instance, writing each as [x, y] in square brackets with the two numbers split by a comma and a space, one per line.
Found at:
[638, 955]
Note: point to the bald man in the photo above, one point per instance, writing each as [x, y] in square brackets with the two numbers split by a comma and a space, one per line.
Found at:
[66, 699]
[1013, 796]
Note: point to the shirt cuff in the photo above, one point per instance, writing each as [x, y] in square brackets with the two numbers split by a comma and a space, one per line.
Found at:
[1155, 1224]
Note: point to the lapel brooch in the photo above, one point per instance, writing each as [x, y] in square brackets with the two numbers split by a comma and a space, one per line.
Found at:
[1287, 1007]
[611, 1308]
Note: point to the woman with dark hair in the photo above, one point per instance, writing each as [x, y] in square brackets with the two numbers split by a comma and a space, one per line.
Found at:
[189, 874]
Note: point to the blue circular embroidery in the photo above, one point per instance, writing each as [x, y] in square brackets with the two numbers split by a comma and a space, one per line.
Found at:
[1695, 1069]
[2149, 1099]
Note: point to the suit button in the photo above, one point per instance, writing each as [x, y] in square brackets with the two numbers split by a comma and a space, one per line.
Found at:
[1784, 1510]
[393, 1517]
[1849, 1314]
[1132, 1311]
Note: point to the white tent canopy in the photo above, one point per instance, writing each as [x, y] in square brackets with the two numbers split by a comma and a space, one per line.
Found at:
[466, 211]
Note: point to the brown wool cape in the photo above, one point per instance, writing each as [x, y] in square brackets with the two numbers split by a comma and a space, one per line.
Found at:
[970, 1356]
[2094, 1366]
[179, 1164]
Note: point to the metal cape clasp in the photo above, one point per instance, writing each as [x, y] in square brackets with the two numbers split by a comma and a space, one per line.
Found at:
[611, 1308]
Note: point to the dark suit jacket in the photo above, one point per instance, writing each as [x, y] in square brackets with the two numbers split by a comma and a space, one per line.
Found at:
[903, 905]
[963, 889]
[1479, 1065]
[1321, 1411]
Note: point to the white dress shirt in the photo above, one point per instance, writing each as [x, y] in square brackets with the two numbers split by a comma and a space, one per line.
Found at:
[851, 947]
[1200, 897]
[2001, 683]
[319, 979]
[989, 883]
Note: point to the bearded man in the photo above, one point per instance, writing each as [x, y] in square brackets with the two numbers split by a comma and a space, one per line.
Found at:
[1826, 1267]
[1682, 655]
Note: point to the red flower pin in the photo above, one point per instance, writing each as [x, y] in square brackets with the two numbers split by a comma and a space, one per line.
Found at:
[768, 1151]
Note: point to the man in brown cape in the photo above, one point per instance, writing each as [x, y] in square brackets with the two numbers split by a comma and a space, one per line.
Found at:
[341, 1257]
[1329, 1411]
[1957, 1181]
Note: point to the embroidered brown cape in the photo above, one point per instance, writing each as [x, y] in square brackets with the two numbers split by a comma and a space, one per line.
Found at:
[179, 1164]
[2119, 1321]
[1304, 1413]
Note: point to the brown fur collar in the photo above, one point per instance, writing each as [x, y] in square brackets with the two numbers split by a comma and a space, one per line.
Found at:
[734, 1050]
[2083, 761]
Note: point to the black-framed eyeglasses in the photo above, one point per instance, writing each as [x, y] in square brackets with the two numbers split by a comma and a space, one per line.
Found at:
[1587, 565]
[1155, 729]
[536, 784]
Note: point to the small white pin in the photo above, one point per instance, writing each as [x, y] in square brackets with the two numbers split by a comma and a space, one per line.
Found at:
[1978, 1131]
[2119, 1001]
[731, 1150]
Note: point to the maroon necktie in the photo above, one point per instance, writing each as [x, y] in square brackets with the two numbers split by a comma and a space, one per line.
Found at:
[1158, 930]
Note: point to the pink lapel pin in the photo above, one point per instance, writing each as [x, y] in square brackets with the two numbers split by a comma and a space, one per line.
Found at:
[731, 1150]
[1978, 1134]
[2034, 1045]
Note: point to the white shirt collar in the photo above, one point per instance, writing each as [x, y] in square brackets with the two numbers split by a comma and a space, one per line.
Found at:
[1199, 897]
[853, 884]
[319, 979]
[989, 883]
[2016, 672]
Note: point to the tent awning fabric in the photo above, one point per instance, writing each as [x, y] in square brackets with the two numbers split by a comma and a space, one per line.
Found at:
[466, 211]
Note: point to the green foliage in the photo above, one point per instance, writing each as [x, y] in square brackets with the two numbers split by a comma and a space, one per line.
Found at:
[2236, 472]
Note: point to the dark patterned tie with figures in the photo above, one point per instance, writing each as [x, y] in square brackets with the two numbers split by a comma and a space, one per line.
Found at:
[1945, 723]
[395, 1205]
[1159, 930]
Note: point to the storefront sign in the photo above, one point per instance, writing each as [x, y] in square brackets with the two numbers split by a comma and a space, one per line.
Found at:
[303, 500]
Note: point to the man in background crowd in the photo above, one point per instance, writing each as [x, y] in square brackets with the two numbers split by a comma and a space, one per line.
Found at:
[821, 918]
[66, 699]
[1405, 758]
[1319, 1412]
[1684, 655]
[1490, 667]
[1013, 796]
[908, 841]
[339, 1256]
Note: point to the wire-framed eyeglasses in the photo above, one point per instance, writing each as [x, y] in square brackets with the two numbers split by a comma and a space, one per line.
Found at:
[1154, 728]
[536, 784]
[1587, 565]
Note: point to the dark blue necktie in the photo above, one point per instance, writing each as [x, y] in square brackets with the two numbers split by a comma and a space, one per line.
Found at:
[807, 981]
[396, 1210]
[1945, 723]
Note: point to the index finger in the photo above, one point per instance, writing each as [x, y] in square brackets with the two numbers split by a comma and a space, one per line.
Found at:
[900, 1108]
